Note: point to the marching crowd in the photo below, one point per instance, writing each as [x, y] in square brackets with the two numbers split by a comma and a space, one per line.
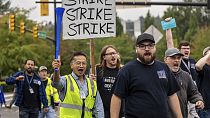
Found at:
[179, 87]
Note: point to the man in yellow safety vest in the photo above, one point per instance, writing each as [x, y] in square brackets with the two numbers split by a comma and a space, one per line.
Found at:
[78, 94]
[52, 94]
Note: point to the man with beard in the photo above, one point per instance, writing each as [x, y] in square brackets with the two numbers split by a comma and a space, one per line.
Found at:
[78, 94]
[106, 73]
[188, 90]
[147, 85]
[30, 91]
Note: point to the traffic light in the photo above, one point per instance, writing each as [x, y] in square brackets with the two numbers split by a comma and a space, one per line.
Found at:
[208, 4]
[22, 27]
[35, 32]
[12, 23]
[44, 8]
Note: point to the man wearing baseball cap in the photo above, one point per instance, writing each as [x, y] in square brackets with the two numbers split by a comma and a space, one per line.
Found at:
[51, 93]
[188, 90]
[203, 81]
[145, 83]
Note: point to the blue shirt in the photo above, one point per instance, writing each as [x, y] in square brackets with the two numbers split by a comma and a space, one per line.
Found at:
[42, 95]
[98, 109]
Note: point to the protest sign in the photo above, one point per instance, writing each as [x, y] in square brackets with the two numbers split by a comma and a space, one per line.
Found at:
[85, 19]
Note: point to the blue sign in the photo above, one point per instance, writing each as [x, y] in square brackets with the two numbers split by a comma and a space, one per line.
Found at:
[168, 24]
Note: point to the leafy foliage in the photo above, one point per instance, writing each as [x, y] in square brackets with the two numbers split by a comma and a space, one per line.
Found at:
[119, 27]
[200, 41]
[188, 20]
[149, 20]
[17, 48]
[4, 6]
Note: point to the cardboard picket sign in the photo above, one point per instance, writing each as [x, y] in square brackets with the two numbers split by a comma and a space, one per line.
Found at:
[85, 19]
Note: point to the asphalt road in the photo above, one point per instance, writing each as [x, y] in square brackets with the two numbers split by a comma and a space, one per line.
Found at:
[14, 111]
[9, 113]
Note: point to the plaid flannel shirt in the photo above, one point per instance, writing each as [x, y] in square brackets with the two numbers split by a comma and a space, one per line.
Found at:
[42, 95]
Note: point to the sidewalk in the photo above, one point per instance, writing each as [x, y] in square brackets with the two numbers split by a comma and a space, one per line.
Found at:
[8, 97]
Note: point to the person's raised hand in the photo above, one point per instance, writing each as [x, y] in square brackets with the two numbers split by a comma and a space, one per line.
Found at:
[92, 77]
[56, 63]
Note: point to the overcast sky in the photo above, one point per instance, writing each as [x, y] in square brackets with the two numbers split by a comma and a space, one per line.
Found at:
[126, 14]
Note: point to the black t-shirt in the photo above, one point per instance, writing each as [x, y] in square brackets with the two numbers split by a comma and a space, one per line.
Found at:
[30, 100]
[188, 65]
[146, 89]
[105, 80]
[203, 84]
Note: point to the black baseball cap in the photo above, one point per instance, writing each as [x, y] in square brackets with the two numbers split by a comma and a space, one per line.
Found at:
[144, 37]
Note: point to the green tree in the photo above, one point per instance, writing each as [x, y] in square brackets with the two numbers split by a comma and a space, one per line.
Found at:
[4, 6]
[149, 20]
[200, 41]
[193, 27]
[119, 27]
[188, 20]
[17, 48]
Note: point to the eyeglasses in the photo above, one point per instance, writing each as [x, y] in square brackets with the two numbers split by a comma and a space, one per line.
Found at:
[78, 63]
[111, 53]
[143, 46]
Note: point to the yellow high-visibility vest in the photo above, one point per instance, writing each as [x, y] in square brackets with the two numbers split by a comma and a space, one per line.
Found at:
[50, 91]
[71, 106]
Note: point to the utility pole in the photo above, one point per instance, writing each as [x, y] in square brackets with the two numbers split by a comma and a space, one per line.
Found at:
[55, 20]
[201, 4]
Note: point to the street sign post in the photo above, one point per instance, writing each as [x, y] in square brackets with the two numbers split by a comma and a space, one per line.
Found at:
[155, 32]
[42, 35]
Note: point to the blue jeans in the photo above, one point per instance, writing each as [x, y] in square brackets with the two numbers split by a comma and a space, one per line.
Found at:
[204, 113]
[49, 114]
[28, 112]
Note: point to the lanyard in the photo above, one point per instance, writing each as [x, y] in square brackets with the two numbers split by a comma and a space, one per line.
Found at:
[187, 65]
[29, 82]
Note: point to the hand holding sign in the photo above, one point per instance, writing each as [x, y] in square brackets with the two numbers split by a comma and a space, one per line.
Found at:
[168, 23]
